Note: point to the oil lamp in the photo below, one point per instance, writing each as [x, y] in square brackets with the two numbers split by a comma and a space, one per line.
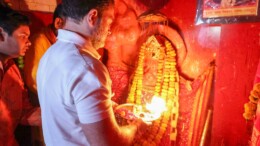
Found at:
[149, 113]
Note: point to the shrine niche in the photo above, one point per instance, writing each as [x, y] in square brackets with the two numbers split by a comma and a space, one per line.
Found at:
[150, 65]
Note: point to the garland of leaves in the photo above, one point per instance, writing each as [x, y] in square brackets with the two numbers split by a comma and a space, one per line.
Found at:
[20, 62]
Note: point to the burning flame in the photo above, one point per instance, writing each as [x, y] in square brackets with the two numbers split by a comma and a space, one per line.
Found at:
[157, 106]
[155, 109]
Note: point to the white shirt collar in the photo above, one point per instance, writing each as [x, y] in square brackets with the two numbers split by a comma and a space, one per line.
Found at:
[72, 37]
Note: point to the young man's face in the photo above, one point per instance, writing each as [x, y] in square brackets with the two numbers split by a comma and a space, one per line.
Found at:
[17, 43]
[103, 27]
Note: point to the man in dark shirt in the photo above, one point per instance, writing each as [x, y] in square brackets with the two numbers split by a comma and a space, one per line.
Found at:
[15, 107]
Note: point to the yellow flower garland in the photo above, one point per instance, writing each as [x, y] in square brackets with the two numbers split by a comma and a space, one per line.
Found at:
[167, 87]
[251, 106]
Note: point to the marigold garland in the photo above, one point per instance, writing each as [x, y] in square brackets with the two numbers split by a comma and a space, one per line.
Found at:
[251, 106]
[167, 87]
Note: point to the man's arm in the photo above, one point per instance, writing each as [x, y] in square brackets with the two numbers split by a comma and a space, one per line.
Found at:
[6, 134]
[31, 115]
[108, 133]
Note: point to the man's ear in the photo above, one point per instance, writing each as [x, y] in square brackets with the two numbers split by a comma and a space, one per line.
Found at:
[58, 23]
[92, 17]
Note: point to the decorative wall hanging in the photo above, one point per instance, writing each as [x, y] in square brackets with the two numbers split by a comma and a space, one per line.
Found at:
[227, 11]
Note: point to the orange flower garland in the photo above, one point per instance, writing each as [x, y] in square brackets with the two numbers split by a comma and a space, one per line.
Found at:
[167, 87]
[251, 106]
[134, 95]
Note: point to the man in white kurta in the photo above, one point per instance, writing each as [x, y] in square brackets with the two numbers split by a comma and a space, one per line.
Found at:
[74, 87]
[73, 84]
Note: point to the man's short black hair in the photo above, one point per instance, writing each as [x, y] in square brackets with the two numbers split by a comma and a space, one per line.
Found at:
[58, 13]
[77, 9]
[10, 19]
